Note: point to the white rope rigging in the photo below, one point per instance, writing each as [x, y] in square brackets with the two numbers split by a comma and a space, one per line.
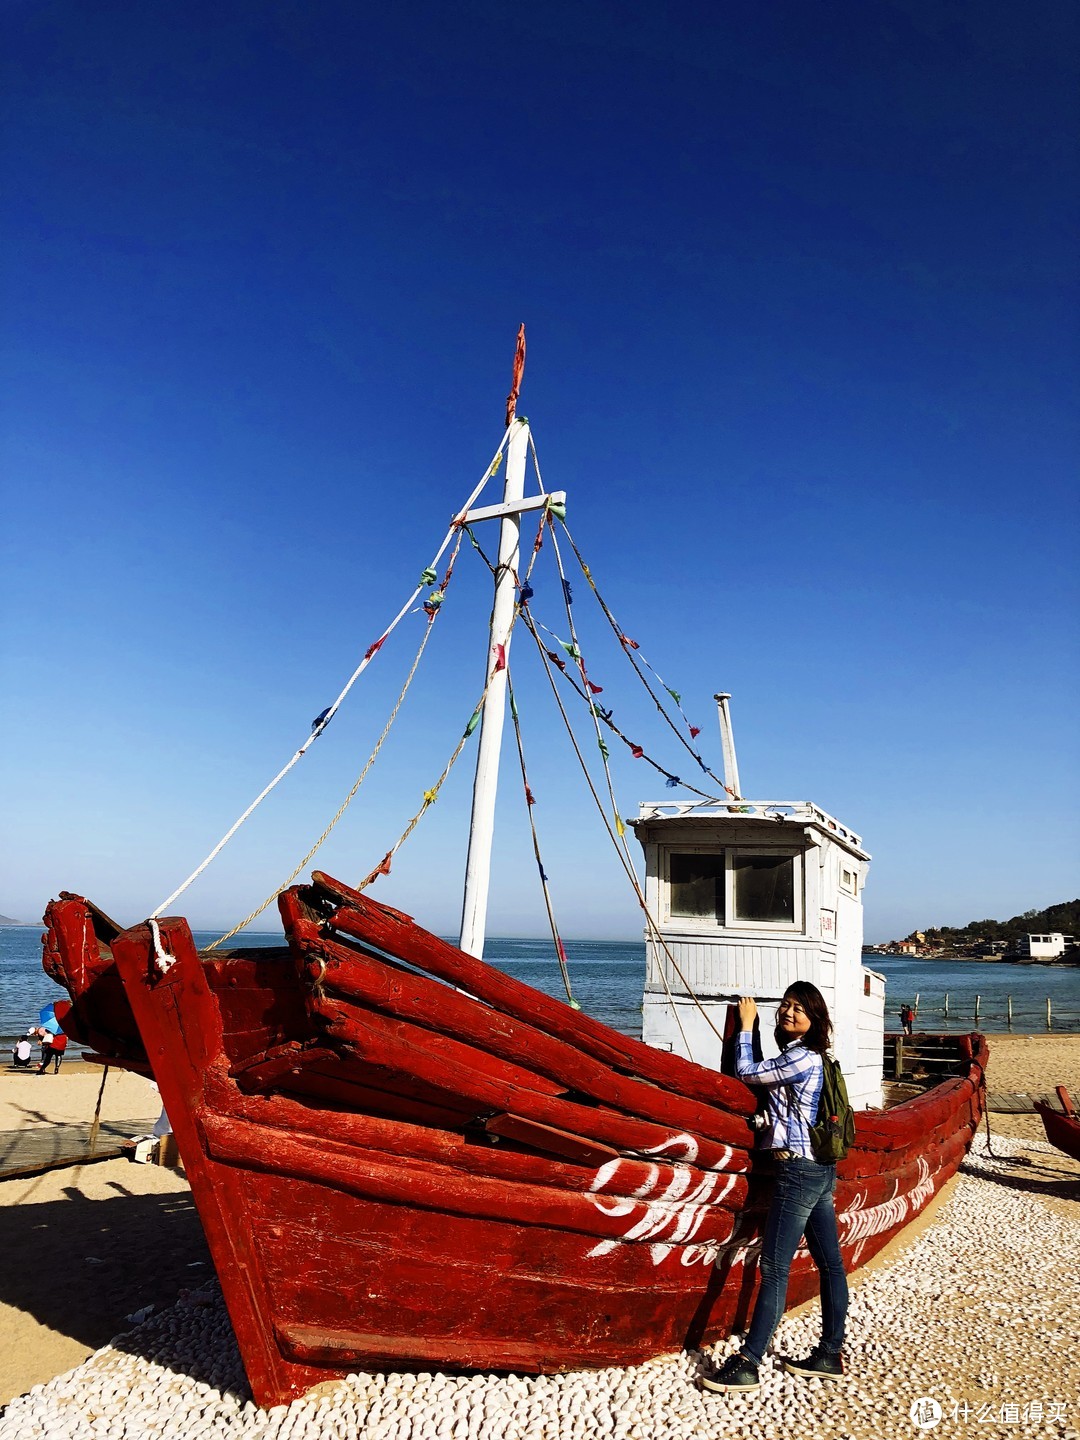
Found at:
[161, 955]
[627, 864]
[328, 714]
[610, 818]
[617, 831]
[243, 924]
[430, 796]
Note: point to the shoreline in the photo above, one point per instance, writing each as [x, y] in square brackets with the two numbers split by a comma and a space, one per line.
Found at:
[75, 1054]
[1055, 964]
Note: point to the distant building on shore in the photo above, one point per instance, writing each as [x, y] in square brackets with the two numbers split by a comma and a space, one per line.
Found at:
[915, 944]
[1042, 947]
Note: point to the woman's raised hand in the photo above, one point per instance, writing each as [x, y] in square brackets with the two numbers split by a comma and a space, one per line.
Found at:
[747, 1012]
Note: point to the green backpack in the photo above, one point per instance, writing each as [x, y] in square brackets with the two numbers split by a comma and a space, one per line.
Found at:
[833, 1132]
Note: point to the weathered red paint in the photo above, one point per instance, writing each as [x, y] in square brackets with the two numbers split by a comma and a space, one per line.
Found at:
[309, 912]
[392, 1172]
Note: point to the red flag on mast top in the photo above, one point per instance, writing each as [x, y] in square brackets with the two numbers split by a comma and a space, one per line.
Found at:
[519, 370]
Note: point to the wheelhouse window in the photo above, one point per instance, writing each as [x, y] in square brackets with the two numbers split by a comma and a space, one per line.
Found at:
[746, 887]
[696, 886]
[764, 888]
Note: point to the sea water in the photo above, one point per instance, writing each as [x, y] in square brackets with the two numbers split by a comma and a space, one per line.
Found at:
[607, 978]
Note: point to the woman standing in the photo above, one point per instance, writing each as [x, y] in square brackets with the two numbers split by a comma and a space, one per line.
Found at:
[802, 1200]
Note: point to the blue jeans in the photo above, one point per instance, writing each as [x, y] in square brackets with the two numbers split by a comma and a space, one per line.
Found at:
[802, 1202]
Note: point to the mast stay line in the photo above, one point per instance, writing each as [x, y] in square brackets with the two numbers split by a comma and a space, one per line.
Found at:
[329, 713]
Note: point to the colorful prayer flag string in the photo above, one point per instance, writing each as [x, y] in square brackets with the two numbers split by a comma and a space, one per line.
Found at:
[606, 713]
[383, 868]
[630, 647]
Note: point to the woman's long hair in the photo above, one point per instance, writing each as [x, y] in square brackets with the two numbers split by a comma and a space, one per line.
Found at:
[819, 1036]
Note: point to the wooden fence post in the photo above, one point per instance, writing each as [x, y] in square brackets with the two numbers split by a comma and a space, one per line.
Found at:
[946, 1004]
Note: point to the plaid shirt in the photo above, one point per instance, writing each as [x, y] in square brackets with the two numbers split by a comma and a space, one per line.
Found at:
[797, 1072]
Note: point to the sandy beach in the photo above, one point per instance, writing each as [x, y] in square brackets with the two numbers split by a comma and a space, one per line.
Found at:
[88, 1246]
[85, 1245]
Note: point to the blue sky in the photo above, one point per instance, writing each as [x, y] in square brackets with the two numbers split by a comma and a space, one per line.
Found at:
[800, 289]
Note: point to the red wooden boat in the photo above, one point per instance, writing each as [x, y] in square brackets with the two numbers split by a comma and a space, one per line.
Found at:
[1062, 1127]
[403, 1157]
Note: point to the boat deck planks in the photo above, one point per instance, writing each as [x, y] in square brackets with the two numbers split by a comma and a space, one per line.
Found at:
[35, 1148]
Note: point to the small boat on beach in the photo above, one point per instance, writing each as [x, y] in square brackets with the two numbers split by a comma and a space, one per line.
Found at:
[1062, 1126]
[403, 1157]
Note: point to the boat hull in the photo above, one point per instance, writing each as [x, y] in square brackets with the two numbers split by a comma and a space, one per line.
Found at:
[1062, 1127]
[402, 1157]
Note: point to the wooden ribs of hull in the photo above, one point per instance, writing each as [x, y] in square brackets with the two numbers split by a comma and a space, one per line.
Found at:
[343, 979]
[327, 905]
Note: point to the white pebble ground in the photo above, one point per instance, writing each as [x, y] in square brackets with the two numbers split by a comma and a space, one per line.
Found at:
[981, 1310]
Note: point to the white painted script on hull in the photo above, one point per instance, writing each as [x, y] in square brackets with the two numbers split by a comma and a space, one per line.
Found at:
[674, 1214]
[857, 1225]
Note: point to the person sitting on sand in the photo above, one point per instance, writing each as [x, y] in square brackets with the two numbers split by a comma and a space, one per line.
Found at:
[802, 1198]
[21, 1052]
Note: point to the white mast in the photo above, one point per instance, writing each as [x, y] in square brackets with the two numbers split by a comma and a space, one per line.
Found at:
[482, 826]
[727, 742]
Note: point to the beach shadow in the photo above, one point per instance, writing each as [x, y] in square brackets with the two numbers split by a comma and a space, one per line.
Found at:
[1022, 1172]
[743, 1245]
[81, 1266]
[32, 1117]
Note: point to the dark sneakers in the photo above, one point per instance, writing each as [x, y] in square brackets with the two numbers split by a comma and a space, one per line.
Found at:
[818, 1365]
[736, 1373]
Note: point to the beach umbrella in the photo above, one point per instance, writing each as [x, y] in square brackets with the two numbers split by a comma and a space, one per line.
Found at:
[51, 1016]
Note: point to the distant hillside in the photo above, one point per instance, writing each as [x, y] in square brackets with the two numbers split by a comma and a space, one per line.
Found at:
[1064, 917]
[7, 920]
